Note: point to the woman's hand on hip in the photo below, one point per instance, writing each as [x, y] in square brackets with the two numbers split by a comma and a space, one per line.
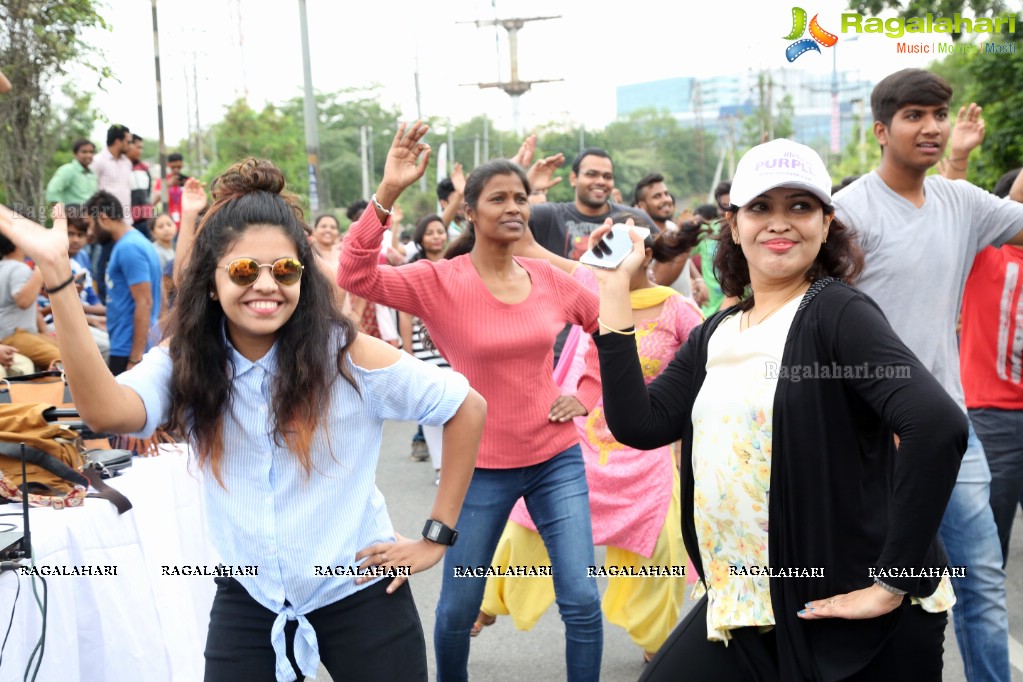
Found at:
[408, 556]
[566, 408]
[870, 602]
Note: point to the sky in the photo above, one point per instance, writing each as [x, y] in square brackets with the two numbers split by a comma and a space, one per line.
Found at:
[253, 48]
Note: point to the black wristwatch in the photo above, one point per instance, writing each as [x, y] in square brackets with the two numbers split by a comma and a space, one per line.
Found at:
[435, 531]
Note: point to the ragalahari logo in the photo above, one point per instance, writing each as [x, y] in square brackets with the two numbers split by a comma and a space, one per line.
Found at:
[817, 35]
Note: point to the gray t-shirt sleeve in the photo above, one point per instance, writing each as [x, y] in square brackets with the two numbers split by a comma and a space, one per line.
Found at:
[851, 204]
[13, 276]
[995, 220]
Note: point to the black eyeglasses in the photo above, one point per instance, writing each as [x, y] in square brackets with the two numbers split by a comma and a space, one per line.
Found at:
[245, 271]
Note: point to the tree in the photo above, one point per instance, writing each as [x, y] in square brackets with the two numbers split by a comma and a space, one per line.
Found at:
[995, 86]
[39, 40]
[989, 79]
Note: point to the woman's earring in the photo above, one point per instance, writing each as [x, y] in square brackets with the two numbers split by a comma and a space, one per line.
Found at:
[213, 296]
[735, 238]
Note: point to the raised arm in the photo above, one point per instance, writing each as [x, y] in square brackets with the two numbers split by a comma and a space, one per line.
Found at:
[639, 416]
[103, 403]
[967, 135]
[456, 198]
[358, 269]
[193, 201]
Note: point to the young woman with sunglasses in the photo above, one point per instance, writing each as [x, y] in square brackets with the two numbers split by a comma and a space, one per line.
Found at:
[282, 403]
[495, 317]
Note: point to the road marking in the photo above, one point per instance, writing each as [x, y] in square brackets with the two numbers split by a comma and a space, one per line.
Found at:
[1015, 653]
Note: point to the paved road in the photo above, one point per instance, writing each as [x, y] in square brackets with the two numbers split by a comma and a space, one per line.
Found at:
[503, 654]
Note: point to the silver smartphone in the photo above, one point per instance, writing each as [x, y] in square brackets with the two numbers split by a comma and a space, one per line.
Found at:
[613, 248]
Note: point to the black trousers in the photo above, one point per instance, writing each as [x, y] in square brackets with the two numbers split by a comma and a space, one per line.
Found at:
[914, 652]
[370, 635]
[118, 364]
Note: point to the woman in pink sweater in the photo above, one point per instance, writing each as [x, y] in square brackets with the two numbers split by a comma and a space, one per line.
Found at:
[495, 318]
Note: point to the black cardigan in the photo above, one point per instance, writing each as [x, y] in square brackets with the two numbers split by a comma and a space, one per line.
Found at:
[841, 497]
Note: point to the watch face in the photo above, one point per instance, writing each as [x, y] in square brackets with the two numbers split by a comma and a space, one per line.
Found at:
[434, 531]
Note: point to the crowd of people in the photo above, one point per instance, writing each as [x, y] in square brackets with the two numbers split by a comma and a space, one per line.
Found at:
[770, 389]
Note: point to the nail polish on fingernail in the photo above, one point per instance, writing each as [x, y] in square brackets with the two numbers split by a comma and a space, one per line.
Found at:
[807, 604]
[801, 613]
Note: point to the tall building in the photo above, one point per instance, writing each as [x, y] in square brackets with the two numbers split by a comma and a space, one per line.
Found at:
[718, 103]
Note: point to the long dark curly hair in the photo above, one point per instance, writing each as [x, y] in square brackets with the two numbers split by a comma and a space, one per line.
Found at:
[840, 256]
[251, 193]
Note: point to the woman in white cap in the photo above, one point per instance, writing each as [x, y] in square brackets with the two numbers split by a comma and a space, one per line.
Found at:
[815, 543]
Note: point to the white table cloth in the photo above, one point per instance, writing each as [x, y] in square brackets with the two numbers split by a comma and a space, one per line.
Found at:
[139, 624]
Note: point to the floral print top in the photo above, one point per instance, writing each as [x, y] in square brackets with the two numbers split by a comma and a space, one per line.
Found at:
[732, 421]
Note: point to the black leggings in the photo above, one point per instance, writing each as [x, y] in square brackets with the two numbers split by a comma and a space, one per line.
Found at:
[369, 635]
[914, 652]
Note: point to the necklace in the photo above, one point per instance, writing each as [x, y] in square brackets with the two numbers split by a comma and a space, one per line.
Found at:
[749, 313]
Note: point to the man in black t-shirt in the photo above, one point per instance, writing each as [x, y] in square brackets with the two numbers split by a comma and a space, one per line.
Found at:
[564, 228]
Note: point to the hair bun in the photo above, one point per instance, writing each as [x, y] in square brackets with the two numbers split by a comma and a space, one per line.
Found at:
[247, 176]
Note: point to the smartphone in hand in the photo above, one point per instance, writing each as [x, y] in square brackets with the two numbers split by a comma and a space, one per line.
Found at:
[613, 248]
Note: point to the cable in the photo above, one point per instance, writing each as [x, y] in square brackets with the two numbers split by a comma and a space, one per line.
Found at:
[11, 621]
[41, 644]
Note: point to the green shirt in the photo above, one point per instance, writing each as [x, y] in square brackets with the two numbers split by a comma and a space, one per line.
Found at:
[72, 184]
[707, 247]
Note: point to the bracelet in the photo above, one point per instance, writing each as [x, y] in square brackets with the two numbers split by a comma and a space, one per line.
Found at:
[377, 203]
[888, 588]
[616, 331]
[952, 163]
[538, 193]
[134, 361]
[61, 285]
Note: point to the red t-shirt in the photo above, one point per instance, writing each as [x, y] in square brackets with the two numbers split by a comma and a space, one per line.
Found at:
[991, 345]
[173, 206]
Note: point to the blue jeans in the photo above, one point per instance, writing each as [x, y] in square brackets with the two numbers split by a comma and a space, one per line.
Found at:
[971, 539]
[558, 500]
[1001, 432]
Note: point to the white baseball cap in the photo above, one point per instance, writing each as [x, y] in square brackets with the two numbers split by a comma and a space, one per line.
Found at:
[780, 163]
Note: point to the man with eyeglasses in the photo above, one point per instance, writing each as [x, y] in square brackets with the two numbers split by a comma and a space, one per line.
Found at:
[564, 228]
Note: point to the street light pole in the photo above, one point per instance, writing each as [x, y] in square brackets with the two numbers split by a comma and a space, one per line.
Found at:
[836, 121]
[312, 138]
[159, 110]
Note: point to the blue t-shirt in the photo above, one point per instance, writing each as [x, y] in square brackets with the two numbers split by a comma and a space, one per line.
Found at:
[132, 261]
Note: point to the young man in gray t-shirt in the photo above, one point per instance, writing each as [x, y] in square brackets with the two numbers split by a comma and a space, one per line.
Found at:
[920, 235]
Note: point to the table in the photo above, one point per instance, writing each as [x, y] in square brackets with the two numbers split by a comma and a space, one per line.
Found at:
[137, 624]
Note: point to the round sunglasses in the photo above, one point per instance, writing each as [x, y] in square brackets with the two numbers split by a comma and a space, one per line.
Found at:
[245, 271]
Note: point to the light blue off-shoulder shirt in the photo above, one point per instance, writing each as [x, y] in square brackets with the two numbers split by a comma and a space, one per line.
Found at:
[270, 514]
